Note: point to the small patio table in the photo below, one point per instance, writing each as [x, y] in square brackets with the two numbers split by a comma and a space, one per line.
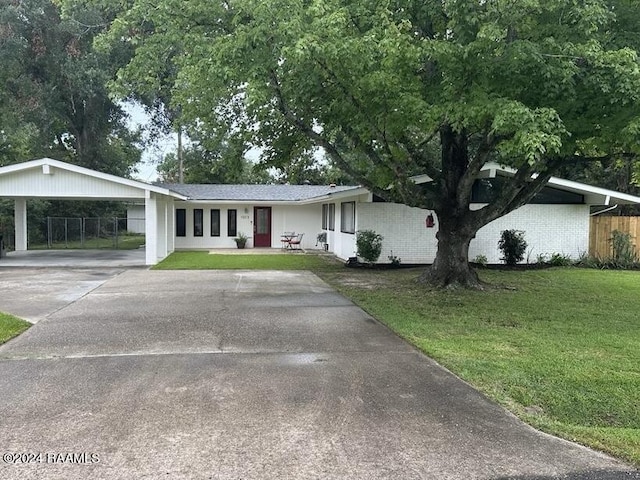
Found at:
[286, 238]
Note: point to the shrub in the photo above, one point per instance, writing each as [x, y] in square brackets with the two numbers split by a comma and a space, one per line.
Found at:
[481, 260]
[512, 245]
[395, 260]
[560, 260]
[541, 258]
[624, 253]
[368, 245]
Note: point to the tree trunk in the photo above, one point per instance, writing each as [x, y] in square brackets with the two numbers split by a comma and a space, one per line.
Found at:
[451, 268]
[180, 156]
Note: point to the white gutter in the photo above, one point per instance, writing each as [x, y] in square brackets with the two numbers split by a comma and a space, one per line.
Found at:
[605, 210]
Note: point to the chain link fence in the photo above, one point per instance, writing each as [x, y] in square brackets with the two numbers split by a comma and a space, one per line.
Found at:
[79, 233]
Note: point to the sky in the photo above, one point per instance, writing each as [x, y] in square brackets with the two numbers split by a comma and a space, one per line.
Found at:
[151, 156]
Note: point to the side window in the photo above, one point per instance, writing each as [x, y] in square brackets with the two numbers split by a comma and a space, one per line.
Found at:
[332, 216]
[198, 227]
[215, 222]
[348, 217]
[325, 215]
[232, 223]
[181, 222]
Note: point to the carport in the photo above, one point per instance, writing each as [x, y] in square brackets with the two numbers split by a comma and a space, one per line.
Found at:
[49, 179]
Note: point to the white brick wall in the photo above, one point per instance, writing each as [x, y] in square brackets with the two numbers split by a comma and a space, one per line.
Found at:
[548, 229]
[403, 229]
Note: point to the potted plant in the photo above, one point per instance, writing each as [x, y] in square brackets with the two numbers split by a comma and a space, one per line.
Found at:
[241, 240]
[322, 238]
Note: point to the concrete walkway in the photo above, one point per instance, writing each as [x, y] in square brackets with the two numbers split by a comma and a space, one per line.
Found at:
[251, 375]
[103, 258]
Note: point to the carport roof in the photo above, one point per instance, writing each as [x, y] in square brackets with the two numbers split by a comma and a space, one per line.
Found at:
[46, 177]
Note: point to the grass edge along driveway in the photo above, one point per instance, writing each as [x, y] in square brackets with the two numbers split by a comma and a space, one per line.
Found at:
[559, 349]
[11, 326]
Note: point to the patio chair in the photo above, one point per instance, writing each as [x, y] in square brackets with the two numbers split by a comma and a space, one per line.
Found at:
[295, 242]
[286, 238]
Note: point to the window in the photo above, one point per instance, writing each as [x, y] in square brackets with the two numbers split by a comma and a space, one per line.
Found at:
[181, 222]
[486, 190]
[215, 222]
[232, 223]
[325, 215]
[197, 222]
[348, 217]
[332, 216]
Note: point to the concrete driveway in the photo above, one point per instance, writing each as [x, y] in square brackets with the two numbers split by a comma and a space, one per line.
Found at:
[250, 375]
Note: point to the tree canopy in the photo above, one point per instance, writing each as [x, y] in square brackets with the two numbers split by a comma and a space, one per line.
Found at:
[394, 88]
[53, 89]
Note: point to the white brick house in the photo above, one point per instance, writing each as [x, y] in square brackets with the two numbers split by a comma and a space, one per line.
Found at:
[186, 217]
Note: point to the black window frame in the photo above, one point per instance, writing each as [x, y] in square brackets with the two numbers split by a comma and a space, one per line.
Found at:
[325, 215]
[351, 229]
[232, 222]
[181, 222]
[198, 222]
[215, 222]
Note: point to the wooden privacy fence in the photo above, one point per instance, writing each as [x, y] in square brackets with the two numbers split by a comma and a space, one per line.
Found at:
[600, 233]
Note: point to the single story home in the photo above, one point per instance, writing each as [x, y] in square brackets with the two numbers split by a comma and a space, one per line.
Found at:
[188, 217]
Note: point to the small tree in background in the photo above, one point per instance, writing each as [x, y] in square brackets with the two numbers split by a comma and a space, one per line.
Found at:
[368, 245]
[512, 245]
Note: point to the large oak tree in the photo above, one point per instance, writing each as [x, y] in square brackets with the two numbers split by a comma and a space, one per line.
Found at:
[393, 88]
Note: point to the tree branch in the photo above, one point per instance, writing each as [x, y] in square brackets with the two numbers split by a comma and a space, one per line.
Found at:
[317, 138]
[465, 184]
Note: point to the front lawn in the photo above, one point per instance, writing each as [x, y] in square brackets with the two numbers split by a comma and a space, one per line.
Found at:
[561, 350]
[206, 261]
[11, 326]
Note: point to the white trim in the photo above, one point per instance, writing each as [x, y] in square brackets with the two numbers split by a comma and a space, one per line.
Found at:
[47, 163]
[602, 195]
[356, 191]
[151, 230]
[21, 232]
[576, 187]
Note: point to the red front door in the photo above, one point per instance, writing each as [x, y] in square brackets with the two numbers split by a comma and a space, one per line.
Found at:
[261, 226]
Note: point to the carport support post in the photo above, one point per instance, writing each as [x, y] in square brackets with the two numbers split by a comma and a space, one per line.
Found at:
[150, 228]
[21, 224]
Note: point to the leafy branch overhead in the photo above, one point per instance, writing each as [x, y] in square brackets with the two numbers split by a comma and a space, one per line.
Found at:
[391, 89]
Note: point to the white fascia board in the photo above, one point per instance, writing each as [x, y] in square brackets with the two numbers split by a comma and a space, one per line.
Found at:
[576, 187]
[612, 195]
[241, 202]
[420, 179]
[46, 163]
[335, 196]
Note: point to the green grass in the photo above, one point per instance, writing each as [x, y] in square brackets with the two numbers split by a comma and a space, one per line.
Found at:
[11, 326]
[204, 261]
[562, 350]
[125, 242]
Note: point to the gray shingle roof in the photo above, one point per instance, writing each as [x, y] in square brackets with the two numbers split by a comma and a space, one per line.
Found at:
[262, 193]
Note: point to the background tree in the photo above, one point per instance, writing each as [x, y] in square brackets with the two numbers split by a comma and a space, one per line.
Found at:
[620, 170]
[54, 100]
[382, 85]
[205, 166]
[54, 96]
